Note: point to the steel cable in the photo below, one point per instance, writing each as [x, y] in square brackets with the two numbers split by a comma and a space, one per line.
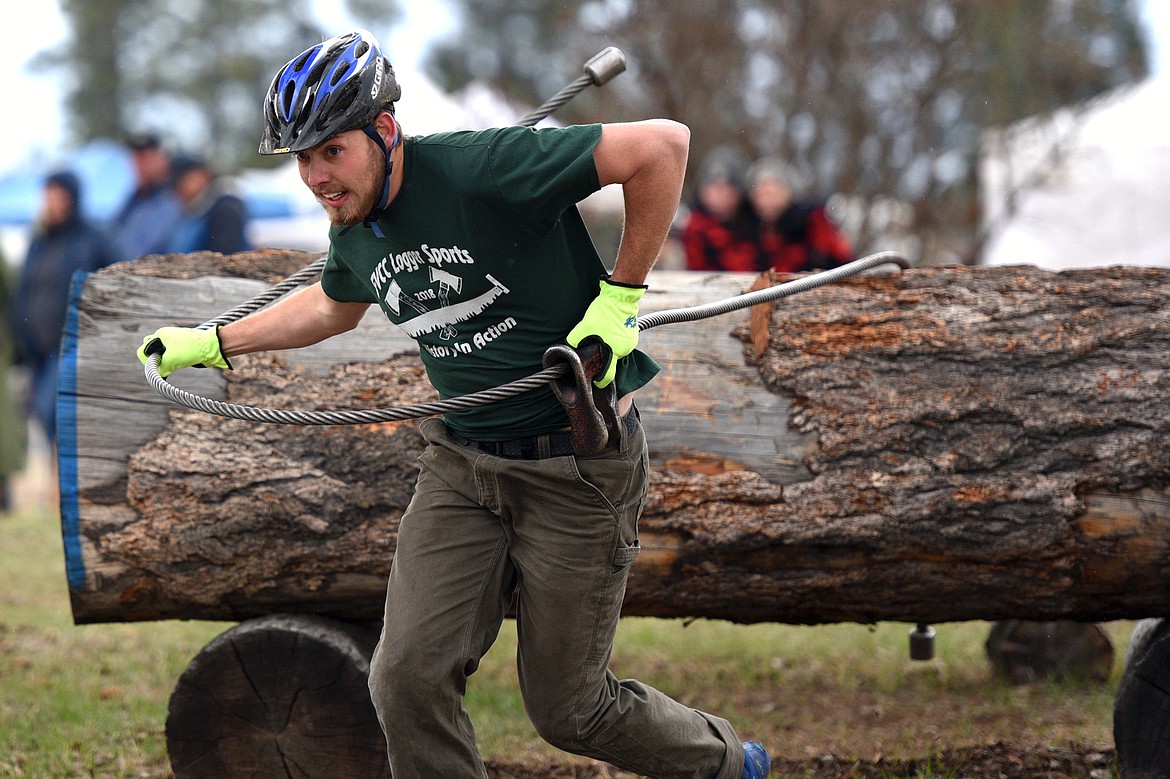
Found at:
[281, 288]
[556, 101]
[511, 389]
[727, 305]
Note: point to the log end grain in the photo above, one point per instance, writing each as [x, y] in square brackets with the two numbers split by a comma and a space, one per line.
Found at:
[278, 696]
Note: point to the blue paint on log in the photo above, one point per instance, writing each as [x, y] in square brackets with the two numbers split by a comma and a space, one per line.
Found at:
[67, 454]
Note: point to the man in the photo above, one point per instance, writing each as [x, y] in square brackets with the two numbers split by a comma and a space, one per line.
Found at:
[147, 219]
[472, 243]
[214, 218]
[63, 243]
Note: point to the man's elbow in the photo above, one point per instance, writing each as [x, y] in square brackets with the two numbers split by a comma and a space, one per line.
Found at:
[676, 140]
[637, 150]
[338, 318]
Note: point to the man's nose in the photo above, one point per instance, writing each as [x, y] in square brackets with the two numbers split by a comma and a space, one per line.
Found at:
[313, 173]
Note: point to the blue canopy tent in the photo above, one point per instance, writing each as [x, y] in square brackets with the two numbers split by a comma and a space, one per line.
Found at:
[106, 181]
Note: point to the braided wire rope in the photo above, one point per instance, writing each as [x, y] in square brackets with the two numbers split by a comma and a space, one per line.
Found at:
[556, 101]
[280, 289]
[483, 397]
[769, 294]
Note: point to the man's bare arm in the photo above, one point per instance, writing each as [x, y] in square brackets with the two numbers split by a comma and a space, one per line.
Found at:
[306, 317]
[649, 160]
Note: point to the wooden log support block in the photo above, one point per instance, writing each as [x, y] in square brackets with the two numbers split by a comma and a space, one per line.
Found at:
[1141, 706]
[1024, 651]
[278, 696]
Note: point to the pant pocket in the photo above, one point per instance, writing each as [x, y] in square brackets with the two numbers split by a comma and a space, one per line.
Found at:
[625, 556]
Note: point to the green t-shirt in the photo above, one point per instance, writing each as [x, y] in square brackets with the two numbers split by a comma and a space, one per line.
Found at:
[485, 263]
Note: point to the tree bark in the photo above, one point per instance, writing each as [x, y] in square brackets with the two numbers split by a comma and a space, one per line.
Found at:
[931, 445]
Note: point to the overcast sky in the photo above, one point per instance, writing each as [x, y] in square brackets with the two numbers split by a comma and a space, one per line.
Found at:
[22, 139]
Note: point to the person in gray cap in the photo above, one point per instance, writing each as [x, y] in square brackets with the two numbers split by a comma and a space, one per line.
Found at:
[794, 234]
[145, 223]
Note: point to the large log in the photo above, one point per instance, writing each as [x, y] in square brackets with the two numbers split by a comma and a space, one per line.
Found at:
[938, 444]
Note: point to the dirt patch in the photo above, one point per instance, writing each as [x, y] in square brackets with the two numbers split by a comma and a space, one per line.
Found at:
[995, 760]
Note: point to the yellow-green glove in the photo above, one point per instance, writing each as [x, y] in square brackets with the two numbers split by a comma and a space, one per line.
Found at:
[612, 317]
[183, 347]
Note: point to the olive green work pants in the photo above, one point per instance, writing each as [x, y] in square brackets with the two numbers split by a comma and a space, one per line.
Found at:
[561, 533]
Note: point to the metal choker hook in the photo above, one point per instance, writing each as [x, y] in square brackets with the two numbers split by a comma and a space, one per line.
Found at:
[593, 417]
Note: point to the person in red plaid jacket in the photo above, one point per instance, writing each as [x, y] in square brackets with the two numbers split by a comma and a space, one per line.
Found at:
[720, 231]
[793, 235]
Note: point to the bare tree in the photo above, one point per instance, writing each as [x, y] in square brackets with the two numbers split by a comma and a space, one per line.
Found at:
[193, 70]
[883, 103]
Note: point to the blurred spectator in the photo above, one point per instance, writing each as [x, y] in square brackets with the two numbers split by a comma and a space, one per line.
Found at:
[719, 232]
[147, 220]
[63, 242]
[793, 235]
[213, 216]
[12, 420]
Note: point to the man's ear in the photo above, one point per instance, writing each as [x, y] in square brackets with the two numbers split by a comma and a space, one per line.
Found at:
[387, 127]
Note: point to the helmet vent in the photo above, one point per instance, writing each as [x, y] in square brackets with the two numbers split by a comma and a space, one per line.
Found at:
[301, 60]
[286, 99]
[339, 73]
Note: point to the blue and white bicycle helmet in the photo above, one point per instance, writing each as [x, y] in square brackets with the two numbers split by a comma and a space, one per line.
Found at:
[338, 85]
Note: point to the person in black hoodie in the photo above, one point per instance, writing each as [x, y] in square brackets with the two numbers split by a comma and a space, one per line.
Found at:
[63, 242]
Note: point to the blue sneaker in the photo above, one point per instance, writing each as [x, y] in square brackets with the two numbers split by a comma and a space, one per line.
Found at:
[756, 763]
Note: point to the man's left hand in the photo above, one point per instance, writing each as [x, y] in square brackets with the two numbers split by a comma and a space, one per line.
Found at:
[613, 317]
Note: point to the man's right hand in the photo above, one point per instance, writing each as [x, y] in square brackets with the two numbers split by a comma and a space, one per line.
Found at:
[183, 347]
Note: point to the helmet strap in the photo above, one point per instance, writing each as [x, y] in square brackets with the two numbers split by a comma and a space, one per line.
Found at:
[371, 220]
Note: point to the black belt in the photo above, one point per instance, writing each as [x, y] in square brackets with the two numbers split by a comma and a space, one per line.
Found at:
[540, 447]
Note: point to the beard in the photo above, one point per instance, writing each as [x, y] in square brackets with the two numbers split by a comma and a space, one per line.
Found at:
[363, 195]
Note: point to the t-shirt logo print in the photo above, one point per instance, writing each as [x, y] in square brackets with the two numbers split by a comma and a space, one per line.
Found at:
[446, 316]
[447, 282]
